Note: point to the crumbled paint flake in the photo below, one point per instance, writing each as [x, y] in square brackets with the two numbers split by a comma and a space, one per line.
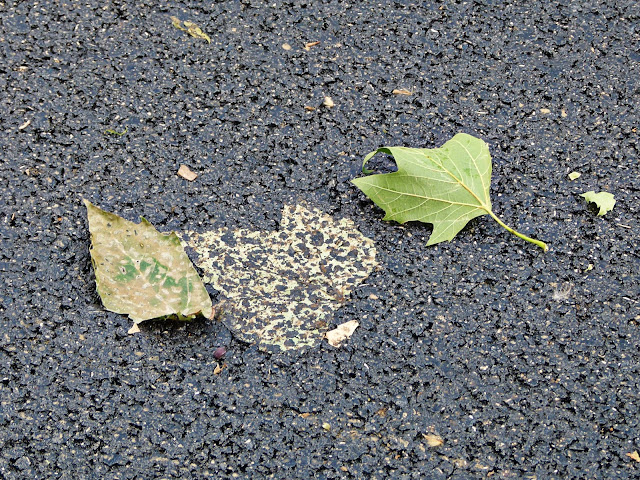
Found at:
[279, 288]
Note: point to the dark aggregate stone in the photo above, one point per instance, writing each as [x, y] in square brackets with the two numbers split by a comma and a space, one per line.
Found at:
[526, 364]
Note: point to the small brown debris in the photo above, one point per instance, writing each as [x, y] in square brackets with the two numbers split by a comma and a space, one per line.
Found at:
[328, 102]
[286, 46]
[344, 469]
[219, 353]
[308, 45]
[545, 111]
[186, 173]
[217, 311]
[433, 440]
[634, 456]
[402, 91]
[24, 125]
[563, 113]
[305, 414]
[341, 333]
[326, 426]
[309, 109]
[217, 370]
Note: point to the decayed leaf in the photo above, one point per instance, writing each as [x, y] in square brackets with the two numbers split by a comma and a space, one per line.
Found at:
[344, 331]
[604, 200]
[446, 186]
[191, 28]
[186, 173]
[142, 272]
[280, 287]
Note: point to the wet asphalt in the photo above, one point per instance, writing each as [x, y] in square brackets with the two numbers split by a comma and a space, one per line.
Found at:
[524, 364]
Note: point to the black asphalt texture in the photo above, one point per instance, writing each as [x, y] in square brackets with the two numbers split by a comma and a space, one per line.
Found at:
[526, 364]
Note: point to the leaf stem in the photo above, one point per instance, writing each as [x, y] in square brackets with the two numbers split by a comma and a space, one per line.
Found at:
[542, 245]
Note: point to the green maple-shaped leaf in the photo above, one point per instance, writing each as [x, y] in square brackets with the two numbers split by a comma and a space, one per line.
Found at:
[142, 272]
[446, 186]
[279, 288]
[604, 200]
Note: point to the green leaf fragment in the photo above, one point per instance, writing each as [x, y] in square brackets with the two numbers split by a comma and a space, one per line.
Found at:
[446, 186]
[604, 200]
[191, 28]
[110, 131]
[574, 175]
[142, 272]
[280, 288]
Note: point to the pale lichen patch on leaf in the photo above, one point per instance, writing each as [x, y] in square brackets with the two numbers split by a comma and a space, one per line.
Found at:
[142, 272]
[280, 287]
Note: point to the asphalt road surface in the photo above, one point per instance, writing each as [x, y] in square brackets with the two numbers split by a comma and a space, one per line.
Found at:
[482, 357]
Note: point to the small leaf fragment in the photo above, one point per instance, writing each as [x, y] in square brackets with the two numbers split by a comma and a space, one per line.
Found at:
[446, 186]
[191, 28]
[341, 333]
[634, 456]
[186, 173]
[142, 272]
[328, 102]
[177, 23]
[574, 175]
[604, 200]
[195, 31]
[110, 131]
[433, 440]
